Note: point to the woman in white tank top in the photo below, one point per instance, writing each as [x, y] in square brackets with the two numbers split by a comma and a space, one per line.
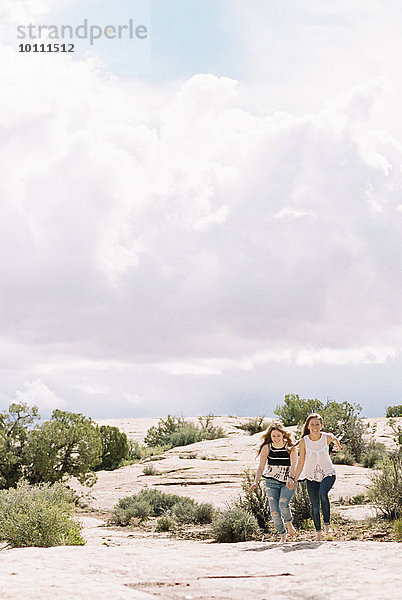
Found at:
[316, 467]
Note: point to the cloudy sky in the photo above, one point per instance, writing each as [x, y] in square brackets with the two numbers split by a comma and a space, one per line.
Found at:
[206, 219]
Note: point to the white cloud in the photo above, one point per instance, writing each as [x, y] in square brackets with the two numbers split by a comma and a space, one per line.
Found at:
[187, 226]
[291, 213]
[37, 393]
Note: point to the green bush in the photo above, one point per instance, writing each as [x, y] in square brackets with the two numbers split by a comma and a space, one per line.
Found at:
[397, 527]
[344, 457]
[203, 513]
[115, 447]
[235, 525]
[386, 489]
[254, 425]
[300, 505]
[184, 512]
[165, 523]
[256, 502]
[153, 503]
[149, 470]
[131, 507]
[186, 434]
[373, 454]
[394, 411]
[175, 431]
[38, 516]
[160, 502]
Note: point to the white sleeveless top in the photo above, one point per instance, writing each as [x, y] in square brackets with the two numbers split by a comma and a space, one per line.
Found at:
[318, 463]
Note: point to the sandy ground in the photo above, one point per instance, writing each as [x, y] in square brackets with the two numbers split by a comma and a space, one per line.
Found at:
[119, 564]
[123, 566]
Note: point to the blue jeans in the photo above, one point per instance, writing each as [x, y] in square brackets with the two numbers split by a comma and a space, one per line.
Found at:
[279, 497]
[318, 494]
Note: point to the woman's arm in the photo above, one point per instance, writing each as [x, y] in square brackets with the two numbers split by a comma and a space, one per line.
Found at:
[293, 465]
[331, 439]
[300, 463]
[263, 460]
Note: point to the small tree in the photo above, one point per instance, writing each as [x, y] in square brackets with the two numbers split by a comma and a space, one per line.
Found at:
[342, 419]
[115, 447]
[67, 444]
[295, 410]
[13, 439]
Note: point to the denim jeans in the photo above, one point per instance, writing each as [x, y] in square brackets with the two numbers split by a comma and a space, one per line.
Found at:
[279, 497]
[318, 494]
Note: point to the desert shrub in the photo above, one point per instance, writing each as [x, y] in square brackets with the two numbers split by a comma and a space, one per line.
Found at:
[357, 500]
[386, 489]
[394, 411]
[300, 505]
[254, 425]
[175, 431]
[160, 502]
[149, 470]
[131, 507]
[38, 516]
[343, 457]
[295, 410]
[153, 503]
[165, 523]
[115, 447]
[186, 434]
[373, 454]
[256, 502]
[183, 511]
[397, 527]
[203, 513]
[235, 525]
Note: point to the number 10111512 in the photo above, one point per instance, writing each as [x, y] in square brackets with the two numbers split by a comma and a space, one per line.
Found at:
[46, 48]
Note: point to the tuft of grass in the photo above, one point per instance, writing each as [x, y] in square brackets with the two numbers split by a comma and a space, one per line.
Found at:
[38, 516]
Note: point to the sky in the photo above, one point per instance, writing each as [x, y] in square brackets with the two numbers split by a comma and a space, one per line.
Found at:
[206, 219]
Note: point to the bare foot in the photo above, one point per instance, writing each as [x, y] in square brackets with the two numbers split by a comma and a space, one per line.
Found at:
[283, 538]
[328, 529]
[291, 529]
[318, 536]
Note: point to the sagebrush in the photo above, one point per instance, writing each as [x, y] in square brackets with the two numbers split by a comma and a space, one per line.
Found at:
[38, 515]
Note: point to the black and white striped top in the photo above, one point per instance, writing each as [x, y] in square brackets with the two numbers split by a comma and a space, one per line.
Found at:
[278, 464]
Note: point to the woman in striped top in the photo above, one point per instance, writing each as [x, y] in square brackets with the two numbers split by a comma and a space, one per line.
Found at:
[278, 459]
